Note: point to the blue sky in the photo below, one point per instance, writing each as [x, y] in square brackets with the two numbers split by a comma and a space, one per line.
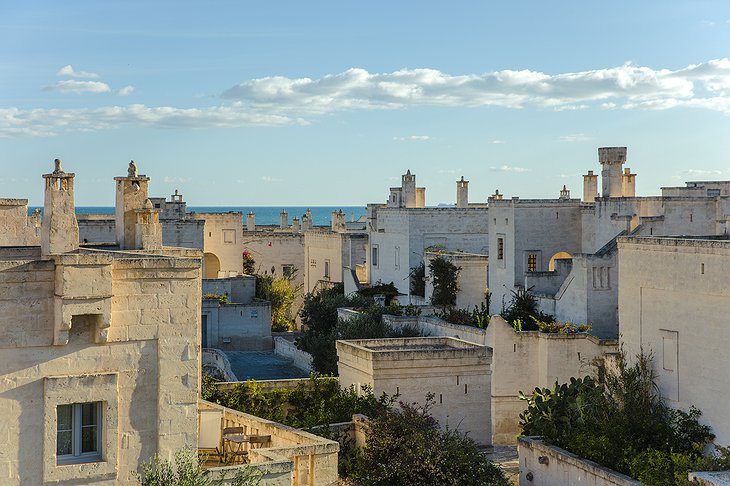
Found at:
[327, 103]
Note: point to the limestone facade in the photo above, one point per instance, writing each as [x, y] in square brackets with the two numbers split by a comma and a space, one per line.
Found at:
[673, 301]
[115, 331]
[331, 255]
[222, 243]
[244, 323]
[16, 227]
[529, 237]
[456, 372]
[472, 279]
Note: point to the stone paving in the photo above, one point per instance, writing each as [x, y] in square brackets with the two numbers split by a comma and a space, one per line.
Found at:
[262, 365]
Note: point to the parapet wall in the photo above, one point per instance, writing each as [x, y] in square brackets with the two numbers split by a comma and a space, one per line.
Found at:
[545, 465]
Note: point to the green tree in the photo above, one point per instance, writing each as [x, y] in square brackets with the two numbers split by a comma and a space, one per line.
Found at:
[281, 292]
[445, 277]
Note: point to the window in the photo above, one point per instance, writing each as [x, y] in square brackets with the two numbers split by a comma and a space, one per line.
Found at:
[500, 248]
[78, 433]
[397, 257]
[601, 278]
[327, 269]
[713, 192]
[287, 270]
[532, 262]
[229, 236]
[374, 255]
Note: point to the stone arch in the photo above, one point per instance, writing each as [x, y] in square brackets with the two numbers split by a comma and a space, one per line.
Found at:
[211, 265]
[561, 255]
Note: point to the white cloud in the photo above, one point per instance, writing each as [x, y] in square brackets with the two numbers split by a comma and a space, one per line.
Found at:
[126, 91]
[73, 86]
[449, 171]
[45, 122]
[279, 100]
[497, 141]
[628, 86]
[69, 71]
[701, 172]
[417, 138]
[576, 137]
[176, 180]
[507, 168]
[270, 179]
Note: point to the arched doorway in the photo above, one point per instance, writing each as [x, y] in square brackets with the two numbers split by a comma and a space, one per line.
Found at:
[561, 255]
[211, 265]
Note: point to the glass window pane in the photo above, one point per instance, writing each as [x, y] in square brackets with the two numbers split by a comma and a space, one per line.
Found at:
[88, 414]
[88, 439]
[64, 413]
[63, 443]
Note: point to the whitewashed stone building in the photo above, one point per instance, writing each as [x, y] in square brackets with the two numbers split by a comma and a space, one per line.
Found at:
[565, 248]
[99, 365]
[401, 230]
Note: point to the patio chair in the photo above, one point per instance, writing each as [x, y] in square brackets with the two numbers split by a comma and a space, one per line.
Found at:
[210, 423]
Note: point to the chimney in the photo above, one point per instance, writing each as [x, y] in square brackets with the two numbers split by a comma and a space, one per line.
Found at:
[131, 197]
[462, 193]
[295, 227]
[148, 230]
[250, 221]
[59, 228]
[590, 187]
[283, 219]
[628, 183]
[612, 160]
[564, 193]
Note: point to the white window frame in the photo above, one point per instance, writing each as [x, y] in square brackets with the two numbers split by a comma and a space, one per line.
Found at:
[327, 269]
[374, 256]
[76, 455]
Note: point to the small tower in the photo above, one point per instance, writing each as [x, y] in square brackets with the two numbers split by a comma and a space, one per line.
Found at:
[295, 226]
[462, 193]
[590, 187]
[250, 221]
[496, 195]
[131, 197]
[612, 160]
[283, 219]
[148, 230]
[59, 228]
[564, 193]
[408, 190]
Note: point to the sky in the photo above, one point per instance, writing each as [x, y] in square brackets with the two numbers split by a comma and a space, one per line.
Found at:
[328, 102]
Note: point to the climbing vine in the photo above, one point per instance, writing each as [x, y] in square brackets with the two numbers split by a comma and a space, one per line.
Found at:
[445, 277]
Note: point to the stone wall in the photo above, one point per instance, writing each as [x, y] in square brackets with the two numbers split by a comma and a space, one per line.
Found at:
[287, 349]
[523, 361]
[544, 465]
[455, 372]
[673, 301]
[223, 237]
[242, 327]
[120, 354]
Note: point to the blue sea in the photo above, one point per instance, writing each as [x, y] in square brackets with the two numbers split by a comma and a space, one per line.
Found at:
[265, 215]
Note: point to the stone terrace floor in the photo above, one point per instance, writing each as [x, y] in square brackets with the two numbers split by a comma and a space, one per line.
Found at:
[262, 365]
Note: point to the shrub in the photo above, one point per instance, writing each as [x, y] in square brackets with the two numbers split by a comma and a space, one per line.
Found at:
[280, 292]
[405, 447]
[479, 317]
[249, 265]
[187, 470]
[221, 298]
[621, 422]
[319, 401]
[524, 308]
[418, 280]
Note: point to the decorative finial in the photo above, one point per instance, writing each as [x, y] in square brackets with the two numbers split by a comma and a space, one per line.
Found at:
[58, 169]
[132, 169]
[148, 204]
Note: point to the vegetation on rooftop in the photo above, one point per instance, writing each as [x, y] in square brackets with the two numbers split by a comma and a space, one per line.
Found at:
[619, 420]
[445, 278]
[186, 469]
[405, 447]
[221, 298]
[316, 402]
[523, 311]
[323, 328]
